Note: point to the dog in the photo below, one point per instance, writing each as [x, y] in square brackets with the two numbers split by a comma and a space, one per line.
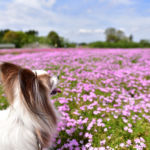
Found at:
[30, 122]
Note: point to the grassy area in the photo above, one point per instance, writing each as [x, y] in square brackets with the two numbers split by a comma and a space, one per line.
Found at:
[104, 101]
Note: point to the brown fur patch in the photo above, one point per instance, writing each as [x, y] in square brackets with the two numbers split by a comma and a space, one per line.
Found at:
[43, 137]
[8, 76]
[45, 79]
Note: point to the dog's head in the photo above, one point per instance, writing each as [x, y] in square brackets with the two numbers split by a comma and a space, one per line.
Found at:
[31, 82]
[32, 89]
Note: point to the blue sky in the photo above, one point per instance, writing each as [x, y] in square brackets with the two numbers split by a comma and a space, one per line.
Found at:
[77, 20]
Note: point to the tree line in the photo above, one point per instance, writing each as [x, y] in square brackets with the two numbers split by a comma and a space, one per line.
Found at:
[20, 38]
[114, 39]
[118, 39]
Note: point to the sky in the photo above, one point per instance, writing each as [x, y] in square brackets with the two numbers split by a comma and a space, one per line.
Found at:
[77, 20]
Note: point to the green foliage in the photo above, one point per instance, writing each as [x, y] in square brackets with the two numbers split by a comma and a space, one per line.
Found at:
[145, 43]
[32, 33]
[2, 33]
[18, 38]
[32, 36]
[42, 40]
[71, 45]
[131, 38]
[3, 101]
[121, 44]
[10, 37]
[54, 39]
[118, 36]
[113, 35]
[65, 43]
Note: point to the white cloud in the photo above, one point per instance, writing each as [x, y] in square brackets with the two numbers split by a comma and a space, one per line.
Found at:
[85, 31]
[35, 3]
[24, 3]
[48, 2]
[22, 15]
[99, 31]
[91, 31]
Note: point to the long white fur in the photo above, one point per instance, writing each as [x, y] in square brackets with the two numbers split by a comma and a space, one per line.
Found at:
[17, 125]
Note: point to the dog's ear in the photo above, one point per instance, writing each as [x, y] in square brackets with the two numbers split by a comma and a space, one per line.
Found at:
[35, 95]
[29, 88]
[8, 71]
[8, 77]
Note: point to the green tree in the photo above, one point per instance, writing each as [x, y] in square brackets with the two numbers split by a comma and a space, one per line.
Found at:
[113, 35]
[43, 40]
[2, 33]
[131, 38]
[18, 38]
[54, 39]
[32, 36]
[32, 33]
[120, 35]
[145, 43]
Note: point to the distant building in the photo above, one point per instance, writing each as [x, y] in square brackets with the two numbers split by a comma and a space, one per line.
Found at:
[4, 46]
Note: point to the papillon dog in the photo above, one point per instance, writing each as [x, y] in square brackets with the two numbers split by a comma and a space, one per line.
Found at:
[30, 121]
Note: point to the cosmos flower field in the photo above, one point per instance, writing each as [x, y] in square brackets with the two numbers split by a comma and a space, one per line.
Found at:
[105, 99]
